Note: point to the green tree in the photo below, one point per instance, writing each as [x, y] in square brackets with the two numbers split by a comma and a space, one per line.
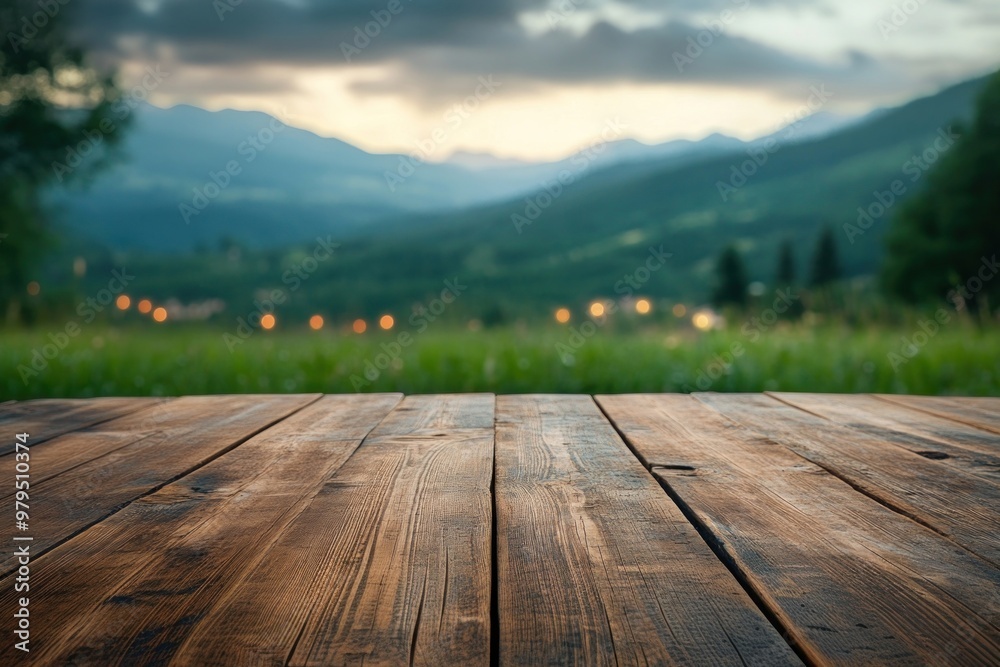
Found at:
[825, 263]
[785, 274]
[51, 101]
[950, 229]
[731, 279]
[784, 277]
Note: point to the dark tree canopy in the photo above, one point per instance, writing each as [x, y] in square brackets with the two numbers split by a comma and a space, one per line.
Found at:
[825, 263]
[50, 102]
[731, 279]
[784, 275]
[944, 235]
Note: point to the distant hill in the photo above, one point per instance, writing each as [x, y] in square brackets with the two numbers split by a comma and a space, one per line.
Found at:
[601, 226]
[584, 237]
[291, 184]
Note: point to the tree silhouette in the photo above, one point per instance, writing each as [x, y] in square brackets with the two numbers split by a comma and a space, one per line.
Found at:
[785, 274]
[825, 264]
[51, 104]
[784, 277]
[944, 236]
[731, 279]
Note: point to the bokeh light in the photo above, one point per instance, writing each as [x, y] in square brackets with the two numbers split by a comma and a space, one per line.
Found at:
[268, 322]
[679, 310]
[34, 288]
[123, 302]
[316, 322]
[145, 306]
[596, 309]
[702, 321]
[386, 322]
[642, 306]
[562, 315]
[160, 314]
[359, 326]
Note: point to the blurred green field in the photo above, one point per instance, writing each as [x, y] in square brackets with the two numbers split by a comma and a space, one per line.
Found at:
[959, 359]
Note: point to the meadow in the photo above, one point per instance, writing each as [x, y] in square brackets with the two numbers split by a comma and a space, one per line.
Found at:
[960, 358]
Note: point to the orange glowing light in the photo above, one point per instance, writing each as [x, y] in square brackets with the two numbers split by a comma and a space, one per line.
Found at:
[597, 309]
[642, 306]
[386, 322]
[160, 314]
[268, 321]
[702, 321]
[562, 315]
[123, 302]
[145, 306]
[359, 326]
[316, 322]
[679, 310]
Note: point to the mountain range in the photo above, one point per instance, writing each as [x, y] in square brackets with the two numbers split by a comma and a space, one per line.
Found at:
[523, 235]
[289, 184]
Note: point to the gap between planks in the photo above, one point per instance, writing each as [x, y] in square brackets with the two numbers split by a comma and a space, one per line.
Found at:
[91, 492]
[848, 578]
[951, 502]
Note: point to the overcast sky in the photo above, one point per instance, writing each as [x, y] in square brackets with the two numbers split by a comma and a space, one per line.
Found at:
[564, 68]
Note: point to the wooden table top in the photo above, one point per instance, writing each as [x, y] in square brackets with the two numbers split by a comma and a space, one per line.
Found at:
[472, 529]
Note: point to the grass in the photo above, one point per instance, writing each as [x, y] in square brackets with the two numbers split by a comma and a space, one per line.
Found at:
[100, 361]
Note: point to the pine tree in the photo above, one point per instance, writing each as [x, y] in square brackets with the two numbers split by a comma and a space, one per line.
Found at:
[731, 279]
[785, 274]
[785, 279]
[825, 265]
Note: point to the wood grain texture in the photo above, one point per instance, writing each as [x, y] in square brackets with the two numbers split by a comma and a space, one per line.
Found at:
[70, 450]
[131, 589]
[44, 419]
[164, 446]
[957, 445]
[981, 412]
[852, 581]
[271, 530]
[961, 506]
[390, 562]
[595, 564]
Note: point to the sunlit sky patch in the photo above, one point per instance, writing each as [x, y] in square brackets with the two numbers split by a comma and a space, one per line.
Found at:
[565, 68]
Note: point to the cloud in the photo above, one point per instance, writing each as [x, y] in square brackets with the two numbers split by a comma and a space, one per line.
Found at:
[607, 54]
[432, 50]
[307, 33]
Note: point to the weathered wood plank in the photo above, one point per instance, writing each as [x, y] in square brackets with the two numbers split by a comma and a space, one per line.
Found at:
[44, 419]
[390, 562]
[168, 444]
[595, 564]
[981, 412]
[957, 445]
[852, 581]
[133, 587]
[70, 450]
[964, 507]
